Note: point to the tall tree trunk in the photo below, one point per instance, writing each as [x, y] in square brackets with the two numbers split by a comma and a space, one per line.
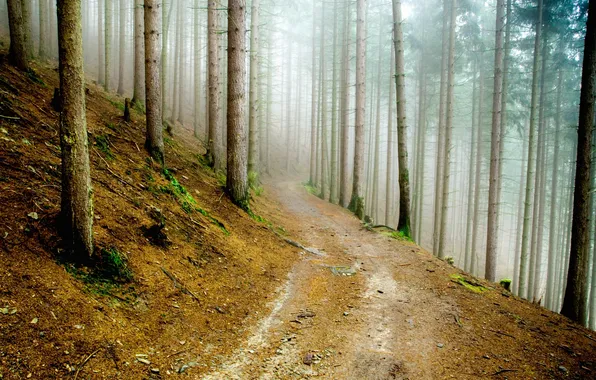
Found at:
[27, 40]
[138, 97]
[17, 53]
[333, 172]
[253, 128]
[448, 132]
[237, 178]
[345, 94]
[520, 214]
[213, 145]
[531, 171]
[471, 179]
[575, 302]
[108, 42]
[441, 132]
[323, 84]
[421, 150]
[266, 158]
[177, 57]
[490, 271]
[198, 81]
[477, 180]
[389, 180]
[313, 118]
[166, 22]
[122, 47]
[43, 30]
[77, 202]
[182, 49]
[400, 96]
[376, 166]
[154, 140]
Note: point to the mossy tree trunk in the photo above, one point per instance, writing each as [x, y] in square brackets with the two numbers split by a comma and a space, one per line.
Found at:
[77, 199]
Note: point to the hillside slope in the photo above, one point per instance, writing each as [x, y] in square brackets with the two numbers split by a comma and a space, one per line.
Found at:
[192, 298]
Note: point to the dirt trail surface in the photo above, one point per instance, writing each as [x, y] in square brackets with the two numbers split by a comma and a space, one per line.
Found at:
[376, 308]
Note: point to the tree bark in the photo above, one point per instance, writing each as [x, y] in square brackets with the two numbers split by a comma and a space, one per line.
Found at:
[575, 302]
[154, 139]
[345, 94]
[531, 171]
[43, 32]
[333, 169]
[17, 53]
[403, 224]
[138, 97]
[313, 113]
[108, 42]
[76, 199]
[471, 179]
[479, 150]
[27, 40]
[389, 180]
[357, 200]
[213, 154]
[122, 47]
[448, 132]
[101, 74]
[492, 236]
[253, 121]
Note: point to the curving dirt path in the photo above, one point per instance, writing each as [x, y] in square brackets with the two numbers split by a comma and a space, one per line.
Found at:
[399, 316]
[372, 324]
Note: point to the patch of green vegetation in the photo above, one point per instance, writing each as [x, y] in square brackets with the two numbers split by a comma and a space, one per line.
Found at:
[168, 141]
[449, 260]
[185, 200]
[105, 274]
[112, 126]
[254, 183]
[311, 189]
[139, 106]
[102, 143]
[26, 142]
[117, 104]
[397, 235]
[506, 284]
[221, 178]
[470, 284]
[32, 75]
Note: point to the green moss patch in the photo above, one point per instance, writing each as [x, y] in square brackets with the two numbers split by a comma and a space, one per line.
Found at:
[468, 283]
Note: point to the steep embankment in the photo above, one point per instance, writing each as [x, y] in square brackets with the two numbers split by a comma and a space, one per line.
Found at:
[179, 305]
[219, 295]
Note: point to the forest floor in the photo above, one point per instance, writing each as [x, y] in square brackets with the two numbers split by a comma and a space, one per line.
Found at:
[222, 294]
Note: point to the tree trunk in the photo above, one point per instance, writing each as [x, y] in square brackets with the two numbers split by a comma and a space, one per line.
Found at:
[270, 101]
[138, 97]
[357, 200]
[323, 84]
[108, 42]
[27, 40]
[492, 236]
[198, 46]
[213, 145]
[403, 224]
[166, 22]
[237, 181]
[333, 170]
[77, 202]
[43, 30]
[479, 149]
[441, 132]
[154, 140]
[17, 53]
[575, 302]
[313, 113]
[448, 132]
[345, 94]
[289, 120]
[520, 213]
[101, 52]
[389, 178]
[182, 65]
[471, 180]
[177, 58]
[253, 127]
[531, 171]
[122, 47]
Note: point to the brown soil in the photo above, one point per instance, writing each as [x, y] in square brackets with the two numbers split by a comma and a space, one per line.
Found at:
[242, 304]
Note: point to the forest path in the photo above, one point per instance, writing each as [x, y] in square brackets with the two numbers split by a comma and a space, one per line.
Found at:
[382, 322]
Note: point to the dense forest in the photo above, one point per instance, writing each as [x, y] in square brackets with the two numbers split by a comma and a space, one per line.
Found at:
[465, 126]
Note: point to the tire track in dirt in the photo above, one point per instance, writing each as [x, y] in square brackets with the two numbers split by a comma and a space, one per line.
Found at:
[388, 333]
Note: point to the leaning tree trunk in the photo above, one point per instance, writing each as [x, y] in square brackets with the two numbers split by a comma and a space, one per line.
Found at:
[237, 181]
[576, 300]
[154, 140]
[77, 202]
[253, 127]
[448, 132]
[213, 154]
[357, 200]
[400, 96]
[138, 97]
[17, 53]
[492, 235]
[531, 170]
